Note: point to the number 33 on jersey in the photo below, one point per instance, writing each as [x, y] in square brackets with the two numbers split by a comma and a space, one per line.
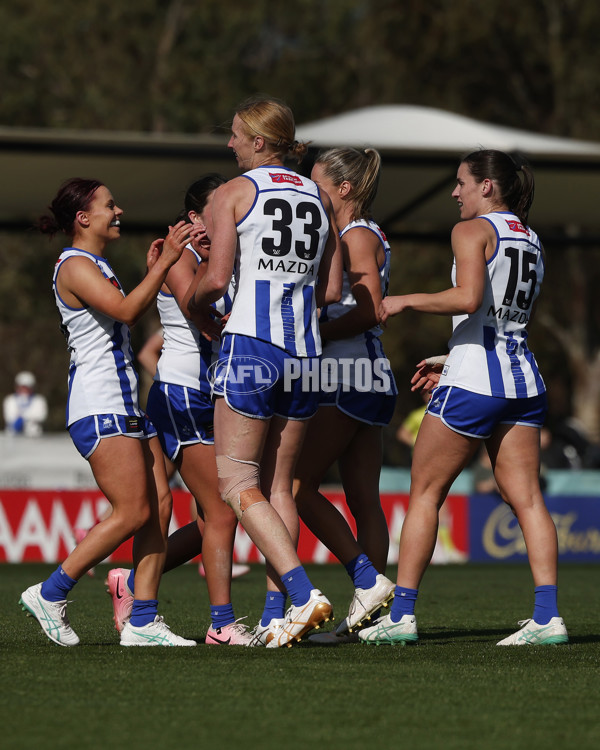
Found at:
[280, 244]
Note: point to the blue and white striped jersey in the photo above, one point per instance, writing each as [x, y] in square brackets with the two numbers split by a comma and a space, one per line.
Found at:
[186, 354]
[488, 349]
[280, 244]
[366, 345]
[102, 379]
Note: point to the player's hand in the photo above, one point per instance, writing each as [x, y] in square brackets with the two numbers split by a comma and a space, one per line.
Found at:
[200, 240]
[169, 250]
[175, 242]
[206, 319]
[389, 307]
[428, 373]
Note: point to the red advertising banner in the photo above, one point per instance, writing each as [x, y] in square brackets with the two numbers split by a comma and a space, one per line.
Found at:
[38, 526]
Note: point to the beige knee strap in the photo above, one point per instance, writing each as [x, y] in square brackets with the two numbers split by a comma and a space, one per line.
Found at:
[239, 483]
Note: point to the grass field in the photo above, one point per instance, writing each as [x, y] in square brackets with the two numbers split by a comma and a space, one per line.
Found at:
[456, 689]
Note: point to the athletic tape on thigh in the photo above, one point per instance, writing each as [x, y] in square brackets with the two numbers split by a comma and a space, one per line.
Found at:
[239, 483]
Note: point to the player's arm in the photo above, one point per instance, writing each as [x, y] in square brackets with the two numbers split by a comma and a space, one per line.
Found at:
[329, 282]
[181, 276]
[359, 249]
[211, 286]
[230, 202]
[469, 242]
[149, 354]
[80, 281]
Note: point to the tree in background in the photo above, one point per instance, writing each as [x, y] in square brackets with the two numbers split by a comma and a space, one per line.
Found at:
[181, 66]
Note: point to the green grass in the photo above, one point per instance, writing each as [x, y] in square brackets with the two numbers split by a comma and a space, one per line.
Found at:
[454, 690]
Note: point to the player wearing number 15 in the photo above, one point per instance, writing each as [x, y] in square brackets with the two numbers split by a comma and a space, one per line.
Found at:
[490, 390]
[276, 229]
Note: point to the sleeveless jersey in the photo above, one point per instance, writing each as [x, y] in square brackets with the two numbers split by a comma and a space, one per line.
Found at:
[366, 345]
[102, 379]
[280, 244]
[488, 349]
[186, 354]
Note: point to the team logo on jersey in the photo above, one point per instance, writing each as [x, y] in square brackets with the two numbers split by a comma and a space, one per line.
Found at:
[516, 226]
[281, 177]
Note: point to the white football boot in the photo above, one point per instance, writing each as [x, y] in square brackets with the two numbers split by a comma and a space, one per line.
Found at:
[531, 634]
[366, 602]
[52, 616]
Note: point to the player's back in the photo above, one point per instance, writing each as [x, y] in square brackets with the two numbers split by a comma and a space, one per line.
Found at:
[489, 352]
[280, 244]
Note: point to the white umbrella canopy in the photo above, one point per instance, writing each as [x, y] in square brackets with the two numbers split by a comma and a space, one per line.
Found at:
[405, 127]
[421, 148]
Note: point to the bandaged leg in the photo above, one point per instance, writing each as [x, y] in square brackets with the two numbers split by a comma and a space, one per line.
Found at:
[239, 484]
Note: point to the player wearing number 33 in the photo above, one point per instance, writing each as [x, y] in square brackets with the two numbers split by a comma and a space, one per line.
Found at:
[276, 230]
[488, 388]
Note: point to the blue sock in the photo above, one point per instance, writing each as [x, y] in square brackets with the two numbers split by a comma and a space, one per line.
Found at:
[546, 606]
[57, 587]
[221, 615]
[298, 586]
[274, 607]
[362, 572]
[404, 603]
[143, 612]
[131, 581]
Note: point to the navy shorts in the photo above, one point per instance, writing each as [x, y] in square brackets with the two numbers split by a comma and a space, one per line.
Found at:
[253, 377]
[475, 415]
[87, 433]
[370, 407]
[181, 415]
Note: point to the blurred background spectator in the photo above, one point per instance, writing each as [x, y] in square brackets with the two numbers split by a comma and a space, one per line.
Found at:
[484, 482]
[25, 411]
[568, 446]
[409, 429]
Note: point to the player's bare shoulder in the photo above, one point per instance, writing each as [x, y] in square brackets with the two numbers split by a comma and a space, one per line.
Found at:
[235, 195]
[476, 233]
[75, 267]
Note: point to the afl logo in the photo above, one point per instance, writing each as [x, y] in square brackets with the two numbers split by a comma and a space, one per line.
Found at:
[241, 374]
